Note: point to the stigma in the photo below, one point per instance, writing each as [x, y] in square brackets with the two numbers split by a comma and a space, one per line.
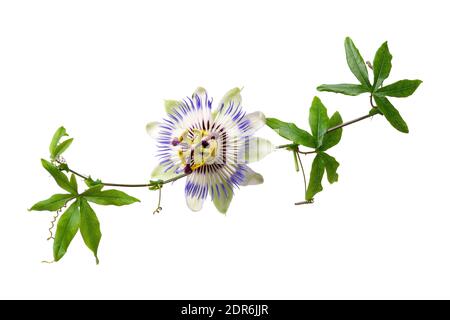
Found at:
[195, 149]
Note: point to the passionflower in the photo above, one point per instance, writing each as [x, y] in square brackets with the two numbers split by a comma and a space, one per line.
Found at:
[211, 147]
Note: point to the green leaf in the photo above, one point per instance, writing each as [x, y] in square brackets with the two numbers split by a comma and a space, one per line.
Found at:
[171, 105]
[55, 202]
[93, 190]
[318, 121]
[73, 182]
[391, 114]
[331, 165]
[382, 64]
[356, 63]
[109, 197]
[90, 227]
[60, 178]
[60, 132]
[344, 88]
[315, 178]
[291, 132]
[322, 162]
[332, 138]
[60, 148]
[399, 89]
[66, 230]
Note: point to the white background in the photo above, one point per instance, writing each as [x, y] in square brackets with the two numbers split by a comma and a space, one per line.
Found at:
[103, 68]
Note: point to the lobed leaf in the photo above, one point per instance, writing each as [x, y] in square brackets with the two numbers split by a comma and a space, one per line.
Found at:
[331, 166]
[344, 88]
[60, 148]
[318, 121]
[315, 178]
[54, 203]
[60, 132]
[382, 64]
[291, 132]
[332, 138]
[89, 227]
[60, 178]
[74, 183]
[66, 230]
[93, 190]
[108, 197]
[399, 89]
[322, 162]
[392, 115]
[356, 63]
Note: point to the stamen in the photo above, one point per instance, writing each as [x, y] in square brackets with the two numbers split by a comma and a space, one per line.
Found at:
[198, 150]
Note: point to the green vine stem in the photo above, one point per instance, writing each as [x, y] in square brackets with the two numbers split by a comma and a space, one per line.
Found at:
[126, 185]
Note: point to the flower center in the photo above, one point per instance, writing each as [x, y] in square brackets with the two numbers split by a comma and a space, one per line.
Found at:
[196, 148]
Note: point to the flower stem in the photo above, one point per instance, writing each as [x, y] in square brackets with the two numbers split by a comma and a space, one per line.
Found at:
[303, 170]
[349, 122]
[296, 161]
[304, 202]
[126, 185]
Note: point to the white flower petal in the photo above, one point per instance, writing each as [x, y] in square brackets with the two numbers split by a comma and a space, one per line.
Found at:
[196, 190]
[161, 173]
[256, 149]
[194, 203]
[200, 91]
[200, 98]
[171, 105]
[222, 201]
[232, 96]
[257, 120]
[252, 178]
[153, 129]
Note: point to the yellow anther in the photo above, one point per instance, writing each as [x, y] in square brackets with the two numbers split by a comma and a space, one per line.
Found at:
[196, 166]
[212, 148]
[181, 156]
